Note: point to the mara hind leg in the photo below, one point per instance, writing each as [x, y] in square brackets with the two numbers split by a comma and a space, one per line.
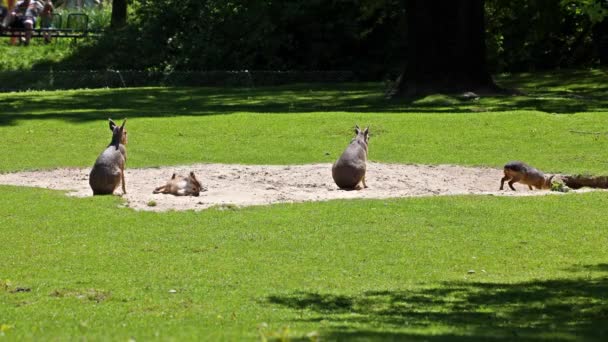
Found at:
[164, 189]
[361, 184]
[122, 180]
[160, 190]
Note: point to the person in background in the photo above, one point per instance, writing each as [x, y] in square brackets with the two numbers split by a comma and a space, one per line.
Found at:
[46, 20]
[13, 19]
[31, 14]
[23, 16]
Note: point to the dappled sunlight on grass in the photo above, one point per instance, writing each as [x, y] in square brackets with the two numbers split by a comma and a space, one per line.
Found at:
[564, 92]
[541, 309]
[584, 80]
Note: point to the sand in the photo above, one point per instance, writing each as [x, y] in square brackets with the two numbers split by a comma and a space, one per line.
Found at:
[246, 185]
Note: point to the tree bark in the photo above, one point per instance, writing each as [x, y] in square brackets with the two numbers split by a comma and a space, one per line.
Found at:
[600, 39]
[446, 49]
[119, 14]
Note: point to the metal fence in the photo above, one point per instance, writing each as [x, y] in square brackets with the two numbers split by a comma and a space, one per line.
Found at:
[55, 80]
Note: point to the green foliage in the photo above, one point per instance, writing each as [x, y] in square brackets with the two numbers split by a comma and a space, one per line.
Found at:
[123, 49]
[99, 18]
[260, 35]
[364, 36]
[538, 34]
[596, 10]
[559, 186]
[263, 34]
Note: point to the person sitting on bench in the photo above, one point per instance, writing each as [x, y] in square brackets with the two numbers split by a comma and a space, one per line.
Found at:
[23, 16]
[46, 20]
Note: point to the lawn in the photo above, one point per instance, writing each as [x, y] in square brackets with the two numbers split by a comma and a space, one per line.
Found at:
[465, 267]
[23, 57]
[385, 269]
[560, 126]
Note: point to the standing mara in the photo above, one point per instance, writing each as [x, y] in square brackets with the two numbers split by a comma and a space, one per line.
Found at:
[517, 171]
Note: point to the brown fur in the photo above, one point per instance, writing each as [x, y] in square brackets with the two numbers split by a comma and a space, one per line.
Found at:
[109, 168]
[181, 186]
[517, 171]
[349, 170]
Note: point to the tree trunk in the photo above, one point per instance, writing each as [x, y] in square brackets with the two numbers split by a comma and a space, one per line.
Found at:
[119, 13]
[600, 39]
[446, 49]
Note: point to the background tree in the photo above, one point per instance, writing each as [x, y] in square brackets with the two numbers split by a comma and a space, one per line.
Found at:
[596, 14]
[353, 35]
[364, 37]
[119, 13]
[446, 48]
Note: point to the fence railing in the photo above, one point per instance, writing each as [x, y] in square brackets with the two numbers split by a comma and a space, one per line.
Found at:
[76, 26]
[75, 79]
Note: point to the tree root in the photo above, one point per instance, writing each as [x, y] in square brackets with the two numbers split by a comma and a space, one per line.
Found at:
[579, 181]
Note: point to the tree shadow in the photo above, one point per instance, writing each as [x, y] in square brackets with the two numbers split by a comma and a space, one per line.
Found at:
[543, 93]
[559, 309]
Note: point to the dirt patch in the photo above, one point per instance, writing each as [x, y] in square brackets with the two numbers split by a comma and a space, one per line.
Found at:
[244, 185]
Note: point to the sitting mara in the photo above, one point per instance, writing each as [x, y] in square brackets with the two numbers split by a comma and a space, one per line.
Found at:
[181, 186]
[109, 168]
[349, 170]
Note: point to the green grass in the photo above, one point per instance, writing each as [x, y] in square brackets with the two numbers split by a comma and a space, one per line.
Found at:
[17, 58]
[465, 267]
[379, 268]
[550, 142]
[558, 127]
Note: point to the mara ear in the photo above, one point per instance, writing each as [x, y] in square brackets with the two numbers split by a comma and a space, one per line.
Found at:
[194, 180]
[123, 123]
[357, 129]
[366, 131]
[112, 125]
[173, 177]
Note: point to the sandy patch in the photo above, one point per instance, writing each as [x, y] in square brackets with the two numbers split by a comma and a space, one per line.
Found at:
[244, 185]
